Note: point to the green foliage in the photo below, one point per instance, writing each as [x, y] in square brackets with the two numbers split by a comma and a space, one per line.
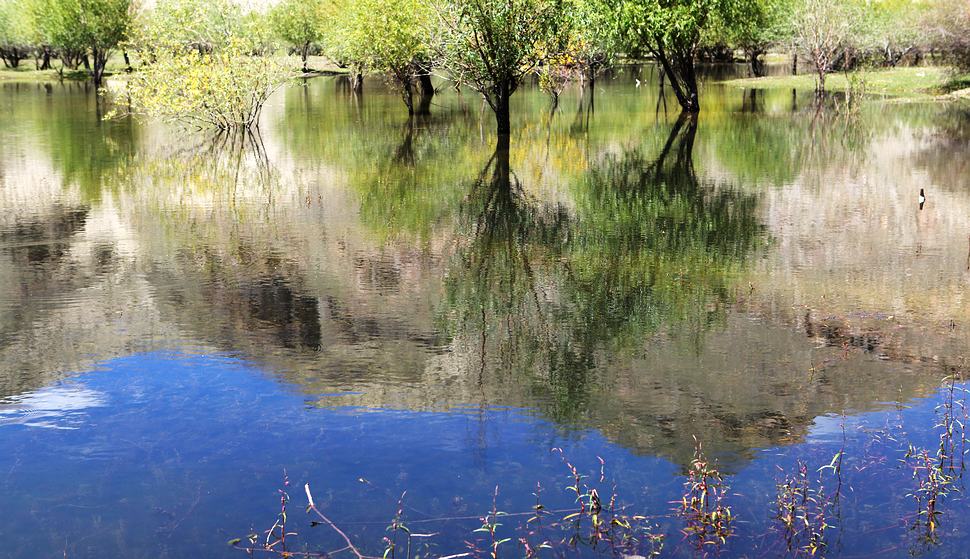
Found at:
[586, 44]
[387, 37]
[492, 45]
[592, 38]
[299, 23]
[225, 88]
[895, 28]
[755, 25]
[95, 27]
[672, 31]
[197, 24]
[16, 32]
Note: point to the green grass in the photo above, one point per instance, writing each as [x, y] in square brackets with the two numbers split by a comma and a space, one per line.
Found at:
[911, 82]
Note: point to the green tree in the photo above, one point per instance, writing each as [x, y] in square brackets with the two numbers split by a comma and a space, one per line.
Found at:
[95, 27]
[896, 28]
[671, 31]
[299, 23]
[223, 89]
[16, 33]
[754, 26]
[491, 45]
[195, 24]
[592, 37]
[388, 37]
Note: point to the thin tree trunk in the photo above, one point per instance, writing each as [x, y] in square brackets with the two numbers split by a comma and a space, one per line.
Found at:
[304, 54]
[408, 96]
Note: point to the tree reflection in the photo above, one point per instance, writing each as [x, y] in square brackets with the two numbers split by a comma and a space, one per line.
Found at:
[550, 293]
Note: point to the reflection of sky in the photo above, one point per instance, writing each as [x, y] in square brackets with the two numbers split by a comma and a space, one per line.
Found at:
[171, 455]
[54, 407]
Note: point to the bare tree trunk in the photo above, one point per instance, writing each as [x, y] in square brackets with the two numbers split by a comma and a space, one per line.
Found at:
[757, 64]
[304, 54]
[357, 83]
[502, 114]
[427, 87]
[408, 95]
[99, 59]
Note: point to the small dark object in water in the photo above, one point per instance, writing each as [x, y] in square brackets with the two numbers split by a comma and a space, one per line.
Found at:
[922, 198]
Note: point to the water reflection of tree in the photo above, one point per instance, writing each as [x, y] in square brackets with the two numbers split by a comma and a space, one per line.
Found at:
[83, 147]
[648, 247]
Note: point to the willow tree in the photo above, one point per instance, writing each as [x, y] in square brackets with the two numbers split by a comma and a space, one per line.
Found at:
[16, 33]
[200, 25]
[300, 24]
[672, 32]
[222, 89]
[212, 72]
[492, 45]
[96, 27]
[591, 40]
[386, 37]
[755, 25]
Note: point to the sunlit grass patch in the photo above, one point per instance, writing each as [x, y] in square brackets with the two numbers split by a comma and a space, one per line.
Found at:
[909, 82]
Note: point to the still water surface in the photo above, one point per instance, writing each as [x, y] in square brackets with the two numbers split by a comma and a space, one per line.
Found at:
[182, 318]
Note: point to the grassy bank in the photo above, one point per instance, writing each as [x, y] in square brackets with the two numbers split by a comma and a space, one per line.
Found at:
[908, 83]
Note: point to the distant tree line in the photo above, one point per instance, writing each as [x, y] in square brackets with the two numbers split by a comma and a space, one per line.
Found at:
[188, 49]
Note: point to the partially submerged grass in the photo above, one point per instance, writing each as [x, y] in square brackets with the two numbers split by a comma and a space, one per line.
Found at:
[909, 82]
[805, 509]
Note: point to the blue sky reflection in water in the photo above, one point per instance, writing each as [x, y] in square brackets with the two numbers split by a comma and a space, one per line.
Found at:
[182, 321]
[170, 455]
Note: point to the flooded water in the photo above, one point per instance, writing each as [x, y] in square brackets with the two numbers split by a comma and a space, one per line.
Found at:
[376, 307]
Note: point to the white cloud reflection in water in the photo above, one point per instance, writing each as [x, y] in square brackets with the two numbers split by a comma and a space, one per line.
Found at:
[56, 407]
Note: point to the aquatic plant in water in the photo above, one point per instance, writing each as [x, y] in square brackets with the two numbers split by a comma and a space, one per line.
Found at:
[706, 516]
[802, 508]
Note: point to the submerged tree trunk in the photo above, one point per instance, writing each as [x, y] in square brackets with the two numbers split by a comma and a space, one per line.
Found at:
[357, 82]
[683, 79]
[501, 106]
[427, 88]
[99, 59]
[757, 63]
